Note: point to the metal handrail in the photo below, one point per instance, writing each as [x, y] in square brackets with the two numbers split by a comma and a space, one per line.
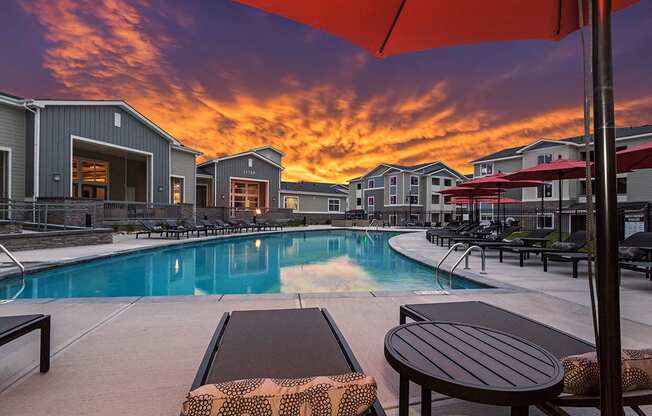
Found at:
[20, 266]
[367, 230]
[450, 250]
[465, 256]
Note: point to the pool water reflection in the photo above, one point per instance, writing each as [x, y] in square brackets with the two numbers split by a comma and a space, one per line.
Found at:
[314, 261]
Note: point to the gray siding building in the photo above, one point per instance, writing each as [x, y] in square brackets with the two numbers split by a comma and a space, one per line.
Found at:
[91, 149]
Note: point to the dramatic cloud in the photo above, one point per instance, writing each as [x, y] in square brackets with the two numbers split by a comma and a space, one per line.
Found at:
[328, 127]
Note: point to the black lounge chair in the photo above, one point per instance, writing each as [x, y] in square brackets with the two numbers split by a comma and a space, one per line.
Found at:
[227, 226]
[14, 327]
[577, 241]
[194, 228]
[638, 266]
[171, 227]
[536, 234]
[209, 227]
[558, 343]
[498, 237]
[636, 240]
[433, 234]
[149, 228]
[282, 343]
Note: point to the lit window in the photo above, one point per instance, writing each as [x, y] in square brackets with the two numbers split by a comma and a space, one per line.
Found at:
[177, 190]
[291, 202]
[333, 205]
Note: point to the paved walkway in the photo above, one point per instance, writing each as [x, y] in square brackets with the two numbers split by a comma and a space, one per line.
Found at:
[139, 355]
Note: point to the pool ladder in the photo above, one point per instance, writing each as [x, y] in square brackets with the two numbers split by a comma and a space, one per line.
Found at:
[371, 224]
[464, 256]
[20, 266]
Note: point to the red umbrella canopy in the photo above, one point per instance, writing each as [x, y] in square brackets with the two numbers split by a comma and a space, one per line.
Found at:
[637, 157]
[470, 192]
[498, 181]
[551, 171]
[388, 27]
[485, 200]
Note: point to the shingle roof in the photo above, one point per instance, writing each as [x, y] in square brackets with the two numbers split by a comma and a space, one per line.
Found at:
[15, 97]
[511, 151]
[318, 187]
[620, 132]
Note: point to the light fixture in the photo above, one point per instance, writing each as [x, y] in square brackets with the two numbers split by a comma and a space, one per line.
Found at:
[56, 177]
[258, 211]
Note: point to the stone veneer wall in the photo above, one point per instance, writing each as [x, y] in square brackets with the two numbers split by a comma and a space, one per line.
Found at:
[57, 239]
[71, 211]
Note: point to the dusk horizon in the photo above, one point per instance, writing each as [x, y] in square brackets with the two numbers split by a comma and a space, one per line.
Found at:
[223, 78]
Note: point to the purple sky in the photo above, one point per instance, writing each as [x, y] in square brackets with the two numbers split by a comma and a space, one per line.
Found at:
[223, 77]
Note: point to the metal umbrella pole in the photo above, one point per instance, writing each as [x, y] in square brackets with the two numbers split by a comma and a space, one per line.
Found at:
[608, 290]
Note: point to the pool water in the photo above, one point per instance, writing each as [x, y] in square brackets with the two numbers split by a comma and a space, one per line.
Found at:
[313, 261]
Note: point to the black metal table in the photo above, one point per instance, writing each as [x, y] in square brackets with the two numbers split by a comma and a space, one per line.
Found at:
[471, 363]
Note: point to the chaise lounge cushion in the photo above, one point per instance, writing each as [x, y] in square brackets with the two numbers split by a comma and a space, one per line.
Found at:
[582, 372]
[342, 395]
[630, 253]
[562, 245]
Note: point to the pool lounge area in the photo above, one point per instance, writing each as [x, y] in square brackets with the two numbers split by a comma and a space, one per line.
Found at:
[153, 344]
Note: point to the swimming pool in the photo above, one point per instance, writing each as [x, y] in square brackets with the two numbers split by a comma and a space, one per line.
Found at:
[292, 262]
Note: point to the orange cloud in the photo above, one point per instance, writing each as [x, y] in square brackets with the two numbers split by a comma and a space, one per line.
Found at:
[106, 49]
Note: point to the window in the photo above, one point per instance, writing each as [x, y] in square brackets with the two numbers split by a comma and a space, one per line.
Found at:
[414, 218]
[371, 183]
[486, 169]
[392, 180]
[583, 186]
[247, 195]
[591, 155]
[448, 182]
[414, 199]
[621, 185]
[414, 181]
[358, 202]
[448, 217]
[436, 181]
[547, 158]
[547, 192]
[393, 190]
[435, 199]
[392, 199]
[90, 178]
[434, 217]
[392, 219]
[333, 205]
[291, 202]
[250, 162]
[117, 121]
[358, 185]
[371, 202]
[447, 199]
[176, 184]
[546, 221]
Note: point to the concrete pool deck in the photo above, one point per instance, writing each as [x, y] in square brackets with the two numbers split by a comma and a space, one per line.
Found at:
[139, 355]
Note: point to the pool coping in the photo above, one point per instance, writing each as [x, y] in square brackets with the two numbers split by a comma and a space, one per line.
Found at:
[494, 286]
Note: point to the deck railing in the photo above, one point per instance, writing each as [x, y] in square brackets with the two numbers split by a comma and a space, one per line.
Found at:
[131, 210]
[46, 215]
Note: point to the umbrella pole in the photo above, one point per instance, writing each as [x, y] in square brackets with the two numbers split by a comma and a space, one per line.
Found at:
[608, 290]
[560, 204]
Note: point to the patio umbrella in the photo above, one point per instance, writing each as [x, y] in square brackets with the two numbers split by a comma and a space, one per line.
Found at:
[556, 170]
[637, 157]
[470, 194]
[499, 182]
[393, 26]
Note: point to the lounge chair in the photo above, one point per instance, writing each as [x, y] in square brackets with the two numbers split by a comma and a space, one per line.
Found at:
[638, 266]
[433, 234]
[575, 241]
[498, 237]
[282, 343]
[496, 245]
[14, 327]
[278, 223]
[149, 228]
[637, 240]
[558, 343]
[229, 228]
[194, 228]
[171, 227]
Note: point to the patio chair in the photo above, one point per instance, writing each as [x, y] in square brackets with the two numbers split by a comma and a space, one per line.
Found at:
[211, 227]
[636, 240]
[172, 227]
[496, 245]
[227, 228]
[282, 343]
[194, 228]
[637, 266]
[149, 228]
[14, 327]
[449, 228]
[575, 241]
[498, 237]
[558, 343]
[278, 223]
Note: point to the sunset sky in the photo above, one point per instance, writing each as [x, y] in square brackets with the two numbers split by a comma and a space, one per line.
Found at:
[223, 77]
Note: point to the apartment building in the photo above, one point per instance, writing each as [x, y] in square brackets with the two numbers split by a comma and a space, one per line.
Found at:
[634, 188]
[399, 194]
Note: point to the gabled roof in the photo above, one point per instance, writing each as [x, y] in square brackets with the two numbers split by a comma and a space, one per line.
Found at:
[543, 143]
[313, 187]
[12, 100]
[270, 147]
[250, 152]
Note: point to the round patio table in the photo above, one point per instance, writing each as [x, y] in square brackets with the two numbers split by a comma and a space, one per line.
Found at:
[471, 363]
